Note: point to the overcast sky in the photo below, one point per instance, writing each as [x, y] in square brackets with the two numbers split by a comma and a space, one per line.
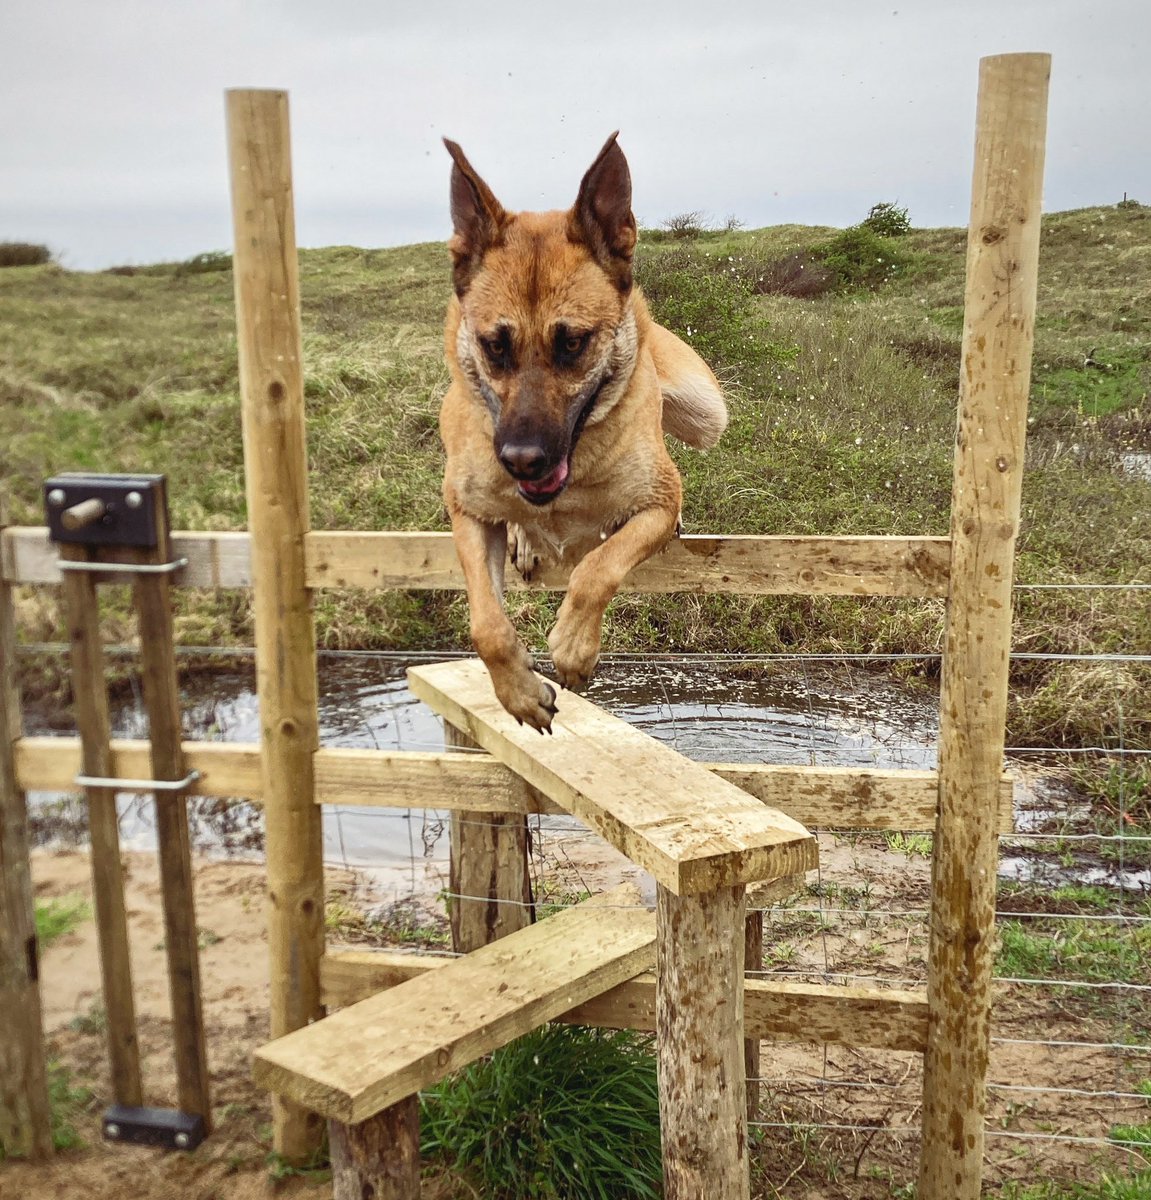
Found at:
[112, 144]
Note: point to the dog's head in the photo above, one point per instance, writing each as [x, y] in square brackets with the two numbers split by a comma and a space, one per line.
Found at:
[546, 334]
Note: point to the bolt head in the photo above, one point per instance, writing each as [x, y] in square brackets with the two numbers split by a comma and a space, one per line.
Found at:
[133, 499]
[182, 1141]
[111, 1130]
[57, 496]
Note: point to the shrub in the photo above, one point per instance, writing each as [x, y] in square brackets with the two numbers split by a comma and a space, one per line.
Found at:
[562, 1114]
[798, 275]
[203, 264]
[888, 220]
[685, 225]
[860, 258]
[23, 254]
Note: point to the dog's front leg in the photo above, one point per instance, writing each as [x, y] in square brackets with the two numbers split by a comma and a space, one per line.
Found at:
[575, 639]
[482, 550]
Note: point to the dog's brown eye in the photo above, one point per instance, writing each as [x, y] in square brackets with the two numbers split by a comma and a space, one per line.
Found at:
[569, 346]
[498, 349]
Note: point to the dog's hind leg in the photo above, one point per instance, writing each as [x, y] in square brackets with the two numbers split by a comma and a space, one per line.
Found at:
[693, 406]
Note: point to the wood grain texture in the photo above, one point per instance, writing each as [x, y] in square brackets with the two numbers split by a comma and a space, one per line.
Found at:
[489, 877]
[378, 1159]
[367, 1057]
[161, 694]
[999, 322]
[266, 276]
[90, 705]
[751, 565]
[25, 1113]
[874, 1017]
[818, 797]
[700, 1045]
[692, 831]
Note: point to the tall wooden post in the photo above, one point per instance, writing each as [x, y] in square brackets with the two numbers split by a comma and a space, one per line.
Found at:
[699, 1019]
[1002, 271]
[271, 385]
[25, 1118]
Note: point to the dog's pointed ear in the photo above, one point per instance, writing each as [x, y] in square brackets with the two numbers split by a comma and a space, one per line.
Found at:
[478, 218]
[602, 218]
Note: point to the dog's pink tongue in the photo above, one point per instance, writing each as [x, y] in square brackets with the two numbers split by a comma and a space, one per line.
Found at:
[549, 483]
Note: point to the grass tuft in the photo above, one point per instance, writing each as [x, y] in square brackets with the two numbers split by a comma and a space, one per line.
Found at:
[562, 1114]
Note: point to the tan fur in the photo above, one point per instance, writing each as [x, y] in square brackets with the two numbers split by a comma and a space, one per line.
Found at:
[529, 278]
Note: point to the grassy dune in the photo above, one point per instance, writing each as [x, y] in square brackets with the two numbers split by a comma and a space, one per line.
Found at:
[843, 412]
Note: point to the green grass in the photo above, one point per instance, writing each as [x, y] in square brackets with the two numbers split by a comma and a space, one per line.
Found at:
[843, 415]
[562, 1114]
[1070, 950]
[1108, 1187]
[67, 1101]
[55, 918]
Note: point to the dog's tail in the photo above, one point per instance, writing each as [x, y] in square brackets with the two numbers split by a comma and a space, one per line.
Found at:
[693, 406]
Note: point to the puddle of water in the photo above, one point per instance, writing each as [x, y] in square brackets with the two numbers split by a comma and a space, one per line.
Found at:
[707, 711]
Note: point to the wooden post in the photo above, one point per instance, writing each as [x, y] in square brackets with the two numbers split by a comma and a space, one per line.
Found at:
[181, 937]
[25, 1117]
[266, 276]
[489, 861]
[380, 1157]
[90, 701]
[699, 1021]
[1002, 269]
[752, 961]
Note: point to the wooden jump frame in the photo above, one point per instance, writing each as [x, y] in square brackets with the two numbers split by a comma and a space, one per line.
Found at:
[966, 803]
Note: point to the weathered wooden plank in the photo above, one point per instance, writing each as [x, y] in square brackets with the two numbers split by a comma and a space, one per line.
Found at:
[751, 565]
[692, 831]
[873, 1017]
[367, 1057]
[699, 1044]
[998, 331]
[266, 277]
[818, 797]
[25, 1112]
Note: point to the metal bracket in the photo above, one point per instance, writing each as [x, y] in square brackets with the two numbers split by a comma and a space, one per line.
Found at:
[152, 1127]
[105, 510]
[138, 785]
[100, 568]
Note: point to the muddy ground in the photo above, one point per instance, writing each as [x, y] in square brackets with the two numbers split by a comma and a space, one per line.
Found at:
[875, 1093]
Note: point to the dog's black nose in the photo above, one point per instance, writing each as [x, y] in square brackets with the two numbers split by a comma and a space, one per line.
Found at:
[523, 460]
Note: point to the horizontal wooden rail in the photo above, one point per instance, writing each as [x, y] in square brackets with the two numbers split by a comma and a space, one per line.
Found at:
[750, 565]
[824, 797]
[878, 1018]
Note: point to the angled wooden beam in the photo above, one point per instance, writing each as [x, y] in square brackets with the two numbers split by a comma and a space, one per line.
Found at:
[368, 1057]
[693, 832]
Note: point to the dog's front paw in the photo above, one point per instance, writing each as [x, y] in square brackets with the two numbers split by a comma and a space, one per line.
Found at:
[524, 557]
[575, 649]
[530, 699]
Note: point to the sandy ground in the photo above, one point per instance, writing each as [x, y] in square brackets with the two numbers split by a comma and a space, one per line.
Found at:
[836, 1085]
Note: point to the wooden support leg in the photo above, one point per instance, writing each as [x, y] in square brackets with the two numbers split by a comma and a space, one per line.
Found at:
[699, 1018]
[489, 861]
[90, 699]
[181, 937]
[752, 961]
[25, 1120]
[379, 1159]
